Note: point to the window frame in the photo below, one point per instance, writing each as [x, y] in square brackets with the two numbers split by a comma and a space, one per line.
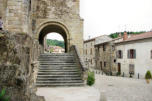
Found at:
[131, 68]
[104, 47]
[105, 65]
[131, 54]
[120, 54]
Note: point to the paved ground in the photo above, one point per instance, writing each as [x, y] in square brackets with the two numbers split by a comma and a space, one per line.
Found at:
[124, 89]
[69, 94]
[114, 88]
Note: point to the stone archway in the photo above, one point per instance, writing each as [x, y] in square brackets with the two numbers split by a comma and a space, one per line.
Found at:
[49, 27]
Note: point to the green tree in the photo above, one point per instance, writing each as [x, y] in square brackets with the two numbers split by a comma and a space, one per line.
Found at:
[51, 42]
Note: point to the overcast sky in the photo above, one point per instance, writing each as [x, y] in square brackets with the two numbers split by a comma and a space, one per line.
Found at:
[109, 16]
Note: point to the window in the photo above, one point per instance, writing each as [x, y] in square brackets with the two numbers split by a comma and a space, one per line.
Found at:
[101, 64]
[91, 43]
[132, 54]
[131, 68]
[104, 47]
[104, 64]
[151, 54]
[91, 61]
[114, 60]
[91, 51]
[113, 47]
[29, 5]
[119, 54]
[86, 51]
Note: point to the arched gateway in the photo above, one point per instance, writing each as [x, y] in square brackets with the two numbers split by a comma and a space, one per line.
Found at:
[61, 16]
[57, 27]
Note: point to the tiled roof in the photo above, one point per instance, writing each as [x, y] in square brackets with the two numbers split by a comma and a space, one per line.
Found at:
[102, 40]
[92, 39]
[139, 37]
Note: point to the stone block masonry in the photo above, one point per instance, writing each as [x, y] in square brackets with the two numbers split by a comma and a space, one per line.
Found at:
[18, 52]
[16, 16]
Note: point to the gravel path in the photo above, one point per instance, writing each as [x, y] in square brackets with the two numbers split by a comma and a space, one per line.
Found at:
[124, 89]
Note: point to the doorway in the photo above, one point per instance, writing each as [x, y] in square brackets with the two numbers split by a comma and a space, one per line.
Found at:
[119, 68]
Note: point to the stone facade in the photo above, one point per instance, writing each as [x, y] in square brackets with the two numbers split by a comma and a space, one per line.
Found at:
[40, 17]
[89, 53]
[15, 15]
[105, 55]
[28, 22]
[141, 58]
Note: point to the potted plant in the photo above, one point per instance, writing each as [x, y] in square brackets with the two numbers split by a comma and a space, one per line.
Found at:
[148, 76]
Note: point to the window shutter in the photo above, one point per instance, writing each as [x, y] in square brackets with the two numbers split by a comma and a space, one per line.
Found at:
[121, 54]
[134, 54]
[128, 54]
[117, 54]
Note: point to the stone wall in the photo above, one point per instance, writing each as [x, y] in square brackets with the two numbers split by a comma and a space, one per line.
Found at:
[17, 70]
[89, 53]
[108, 56]
[65, 12]
[15, 15]
[27, 16]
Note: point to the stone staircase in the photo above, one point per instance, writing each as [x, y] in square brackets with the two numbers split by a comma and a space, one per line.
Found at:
[58, 70]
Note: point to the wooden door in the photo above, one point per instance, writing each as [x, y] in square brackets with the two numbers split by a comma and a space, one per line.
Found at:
[101, 65]
[119, 67]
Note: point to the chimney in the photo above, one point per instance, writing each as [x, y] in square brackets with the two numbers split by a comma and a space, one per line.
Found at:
[125, 36]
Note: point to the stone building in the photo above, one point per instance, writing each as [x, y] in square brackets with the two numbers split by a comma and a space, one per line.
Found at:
[27, 23]
[134, 54]
[89, 52]
[40, 17]
[105, 54]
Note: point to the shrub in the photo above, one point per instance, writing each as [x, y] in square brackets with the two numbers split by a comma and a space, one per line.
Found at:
[91, 78]
[118, 74]
[2, 96]
[148, 75]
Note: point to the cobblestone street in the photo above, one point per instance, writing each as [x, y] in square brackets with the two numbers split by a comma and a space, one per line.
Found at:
[124, 89]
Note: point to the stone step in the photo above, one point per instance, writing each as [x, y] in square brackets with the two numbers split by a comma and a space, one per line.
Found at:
[52, 56]
[58, 73]
[57, 66]
[55, 79]
[55, 54]
[57, 63]
[58, 60]
[61, 81]
[60, 84]
[58, 70]
[57, 76]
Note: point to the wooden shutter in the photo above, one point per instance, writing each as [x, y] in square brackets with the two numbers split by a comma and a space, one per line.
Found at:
[134, 54]
[128, 54]
[121, 54]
